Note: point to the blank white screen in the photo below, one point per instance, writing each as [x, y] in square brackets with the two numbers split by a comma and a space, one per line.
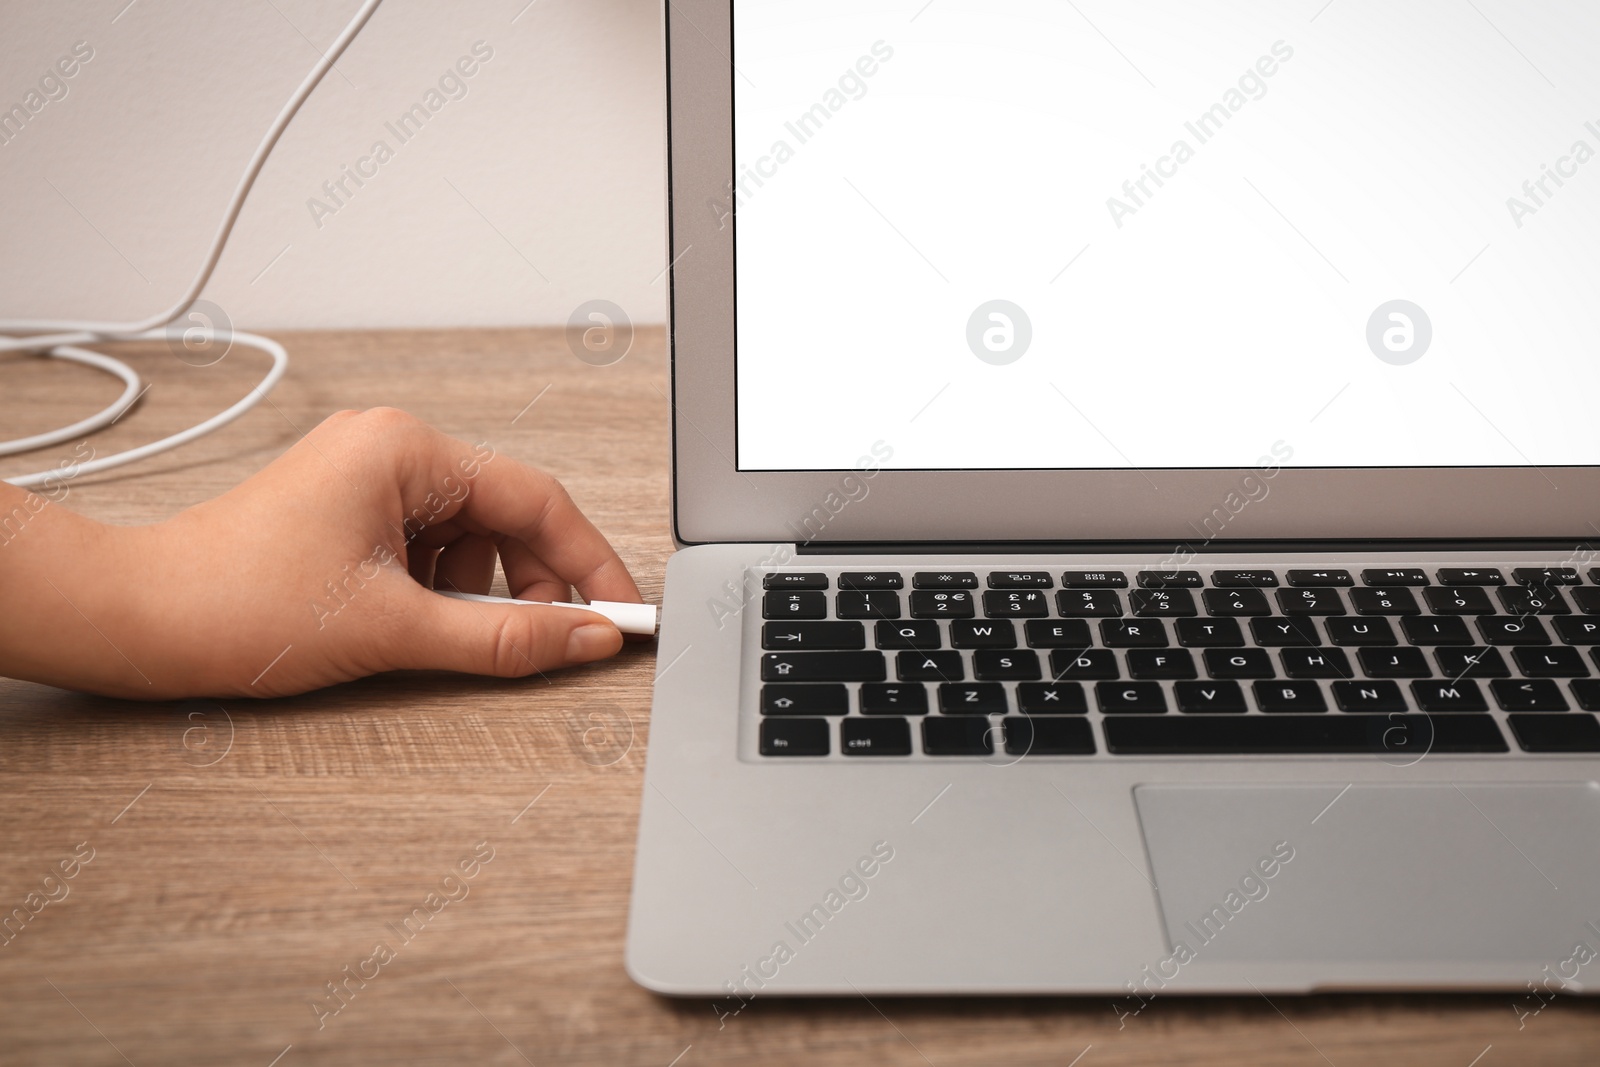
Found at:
[1228, 311]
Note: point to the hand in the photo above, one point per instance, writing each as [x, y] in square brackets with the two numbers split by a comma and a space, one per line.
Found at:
[315, 571]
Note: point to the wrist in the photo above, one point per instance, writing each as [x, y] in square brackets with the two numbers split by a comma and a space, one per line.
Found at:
[65, 578]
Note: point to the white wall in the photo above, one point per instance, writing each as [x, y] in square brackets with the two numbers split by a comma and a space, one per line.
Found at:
[555, 155]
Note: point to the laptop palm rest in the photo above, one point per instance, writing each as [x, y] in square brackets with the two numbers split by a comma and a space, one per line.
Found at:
[1379, 873]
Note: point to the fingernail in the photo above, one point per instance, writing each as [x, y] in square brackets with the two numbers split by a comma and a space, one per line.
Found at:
[592, 641]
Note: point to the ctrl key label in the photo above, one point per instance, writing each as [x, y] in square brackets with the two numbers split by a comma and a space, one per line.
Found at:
[875, 737]
[794, 737]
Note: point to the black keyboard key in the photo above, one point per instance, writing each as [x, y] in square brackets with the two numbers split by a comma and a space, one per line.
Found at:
[999, 604]
[1534, 600]
[1556, 733]
[1020, 580]
[813, 635]
[1288, 697]
[1528, 694]
[957, 736]
[1058, 633]
[781, 604]
[1155, 663]
[1587, 599]
[1315, 663]
[873, 604]
[1310, 602]
[1208, 698]
[824, 667]
[805, 700]
[1390, 600]
[1236, 602]
[1209, 633]
[1546, 576]
[1378, 697]
[1402, 576]
[875, 737]
[1170, 580]
[1557, 662]
[972, 698]
[1084, 665]
[1394, 663]
[989, 633]
[1051, 698]
[1360, 633]
[1578, 631]
[1088, 603]
[794, 737]
[1298, 734]
[894, 698]
[871, 580]
[1278, 631]
[920, 635]
[1239, 663]
[1449, 696]
[1587, 694]
[1009, 665]
[795, 580]
[1133, 633]
[939, 604]
[1320, 579]
[929, 667]
[1461, 600]
[1476, 662]
[1094, 580]
[1523, 630]
[944, 580]
[1154, 603]
[1471, 576]
[1244, 579]
[1130, 698]
[1049, 737]
[1436, 630]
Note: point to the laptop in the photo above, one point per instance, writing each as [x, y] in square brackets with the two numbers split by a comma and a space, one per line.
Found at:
[1137, 479]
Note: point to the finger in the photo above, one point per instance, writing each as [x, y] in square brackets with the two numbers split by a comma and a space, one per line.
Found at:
[466, 564]
[528, 577]
[423, 545]
[522, 565]
[503, 640]
[454, 480]
[439, 478]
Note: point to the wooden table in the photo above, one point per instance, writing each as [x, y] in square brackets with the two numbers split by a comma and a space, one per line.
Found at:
[245, 854]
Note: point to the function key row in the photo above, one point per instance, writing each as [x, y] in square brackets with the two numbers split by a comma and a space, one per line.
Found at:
[1405, 577]
[847, 580]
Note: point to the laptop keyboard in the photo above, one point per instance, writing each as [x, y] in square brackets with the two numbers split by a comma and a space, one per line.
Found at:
[1396, 662]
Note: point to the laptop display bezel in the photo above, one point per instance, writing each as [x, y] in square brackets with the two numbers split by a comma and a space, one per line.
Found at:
[714, 501]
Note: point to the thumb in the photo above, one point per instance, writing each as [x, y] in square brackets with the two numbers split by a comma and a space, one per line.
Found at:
[504, 640]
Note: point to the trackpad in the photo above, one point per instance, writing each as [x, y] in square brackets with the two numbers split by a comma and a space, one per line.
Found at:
[1427, 872]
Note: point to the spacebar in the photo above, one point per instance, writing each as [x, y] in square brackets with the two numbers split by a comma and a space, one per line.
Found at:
[1390, 735]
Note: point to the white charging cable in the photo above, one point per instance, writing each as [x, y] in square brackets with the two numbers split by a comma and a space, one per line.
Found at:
[62, 339]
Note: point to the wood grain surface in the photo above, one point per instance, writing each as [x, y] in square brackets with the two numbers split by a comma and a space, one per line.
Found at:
[244, 855]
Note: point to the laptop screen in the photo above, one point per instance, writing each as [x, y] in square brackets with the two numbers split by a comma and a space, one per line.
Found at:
[1029, 235]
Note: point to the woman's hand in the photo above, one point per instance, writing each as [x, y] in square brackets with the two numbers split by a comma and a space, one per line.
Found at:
[317, 570]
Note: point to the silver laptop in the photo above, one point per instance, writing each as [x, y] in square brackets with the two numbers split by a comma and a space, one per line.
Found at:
[1136, 467]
